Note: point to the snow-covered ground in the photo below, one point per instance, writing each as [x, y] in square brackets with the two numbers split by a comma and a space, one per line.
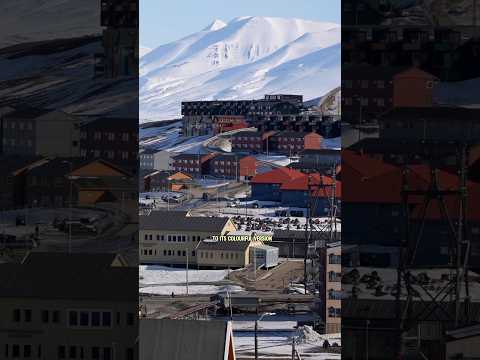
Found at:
[244, 59]
[162, 280]
[278, 160]
[332, 143]
[273, 343]
[160, 275]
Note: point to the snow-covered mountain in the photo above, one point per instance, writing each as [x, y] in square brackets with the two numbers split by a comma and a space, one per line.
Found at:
[143, 50]
[243, 59]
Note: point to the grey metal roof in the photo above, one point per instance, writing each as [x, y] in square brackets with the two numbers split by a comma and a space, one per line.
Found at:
[298, 235]
[178, 221]
[224, 245]
[69, 276]
[183, 339]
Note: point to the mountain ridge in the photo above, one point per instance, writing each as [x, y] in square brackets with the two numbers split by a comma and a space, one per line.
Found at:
[244, 58]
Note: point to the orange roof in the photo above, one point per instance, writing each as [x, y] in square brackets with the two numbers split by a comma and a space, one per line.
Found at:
[385, 186]
[301, 184]
[277, 176]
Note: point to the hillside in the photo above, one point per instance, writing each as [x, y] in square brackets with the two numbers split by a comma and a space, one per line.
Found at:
[245, 58]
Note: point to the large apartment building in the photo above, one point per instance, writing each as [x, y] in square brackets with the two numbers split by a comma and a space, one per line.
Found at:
[112, 139]
[53, 306]
[202, 117]
[192, 164]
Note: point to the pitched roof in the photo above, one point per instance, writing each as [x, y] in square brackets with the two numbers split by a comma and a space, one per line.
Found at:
[224, 245]
[277, 176]
[12, 164]
[185, 339]
[178, 220]
[26, 112]
[69, 276]
[373, 181]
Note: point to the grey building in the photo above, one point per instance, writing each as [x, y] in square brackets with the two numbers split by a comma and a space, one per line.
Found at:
[146, 159]
[69, 306]
[186, 339]
[32, 131]
[264, 256]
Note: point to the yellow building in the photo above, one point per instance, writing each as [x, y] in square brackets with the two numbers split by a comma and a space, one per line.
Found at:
[224, 254]
[172, 237]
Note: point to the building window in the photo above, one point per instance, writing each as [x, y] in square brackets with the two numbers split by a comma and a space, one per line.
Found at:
[16, 315]
[130, 319]
[28, 315]
[45, 316]
[61, 352]
[334, 259]
[334, 276]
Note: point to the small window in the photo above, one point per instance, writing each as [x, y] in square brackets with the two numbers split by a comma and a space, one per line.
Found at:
[106, 318]
[45, 316]
[84, 318]
[61, 352]
[95, 318]
[95, 353]
[16, 351]
[28, 315]
[27, 351]
[73, 318]
[130, 319]
[16, 315]
[72, 353]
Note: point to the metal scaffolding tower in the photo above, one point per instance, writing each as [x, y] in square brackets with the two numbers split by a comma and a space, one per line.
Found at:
[444, 301]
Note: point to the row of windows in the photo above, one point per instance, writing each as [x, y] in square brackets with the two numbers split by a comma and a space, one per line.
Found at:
[151, 252]
[221, 162]
[21, 125]
[223, 255]
[365, 101]
[110, 136]
[29, 351]
[110, 154]
[253, 146]
[92, 318]
[14, 142]
[186, 169]
[86, 318]
[25, 351]
[364, 84]
[173, 238]
[188, 161]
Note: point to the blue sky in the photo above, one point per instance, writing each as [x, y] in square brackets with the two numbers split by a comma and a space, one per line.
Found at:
[162, 21]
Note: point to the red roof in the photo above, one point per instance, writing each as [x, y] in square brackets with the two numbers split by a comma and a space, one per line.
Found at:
[277, 176]
[373, 181]
[301, 184]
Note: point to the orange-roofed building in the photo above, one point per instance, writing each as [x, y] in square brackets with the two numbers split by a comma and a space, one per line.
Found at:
[295, 193]
[372, 208]
[266, 186]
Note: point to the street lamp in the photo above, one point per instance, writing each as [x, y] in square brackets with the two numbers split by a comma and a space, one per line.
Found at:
[256, 330]
[70, 177]
[186, 274]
